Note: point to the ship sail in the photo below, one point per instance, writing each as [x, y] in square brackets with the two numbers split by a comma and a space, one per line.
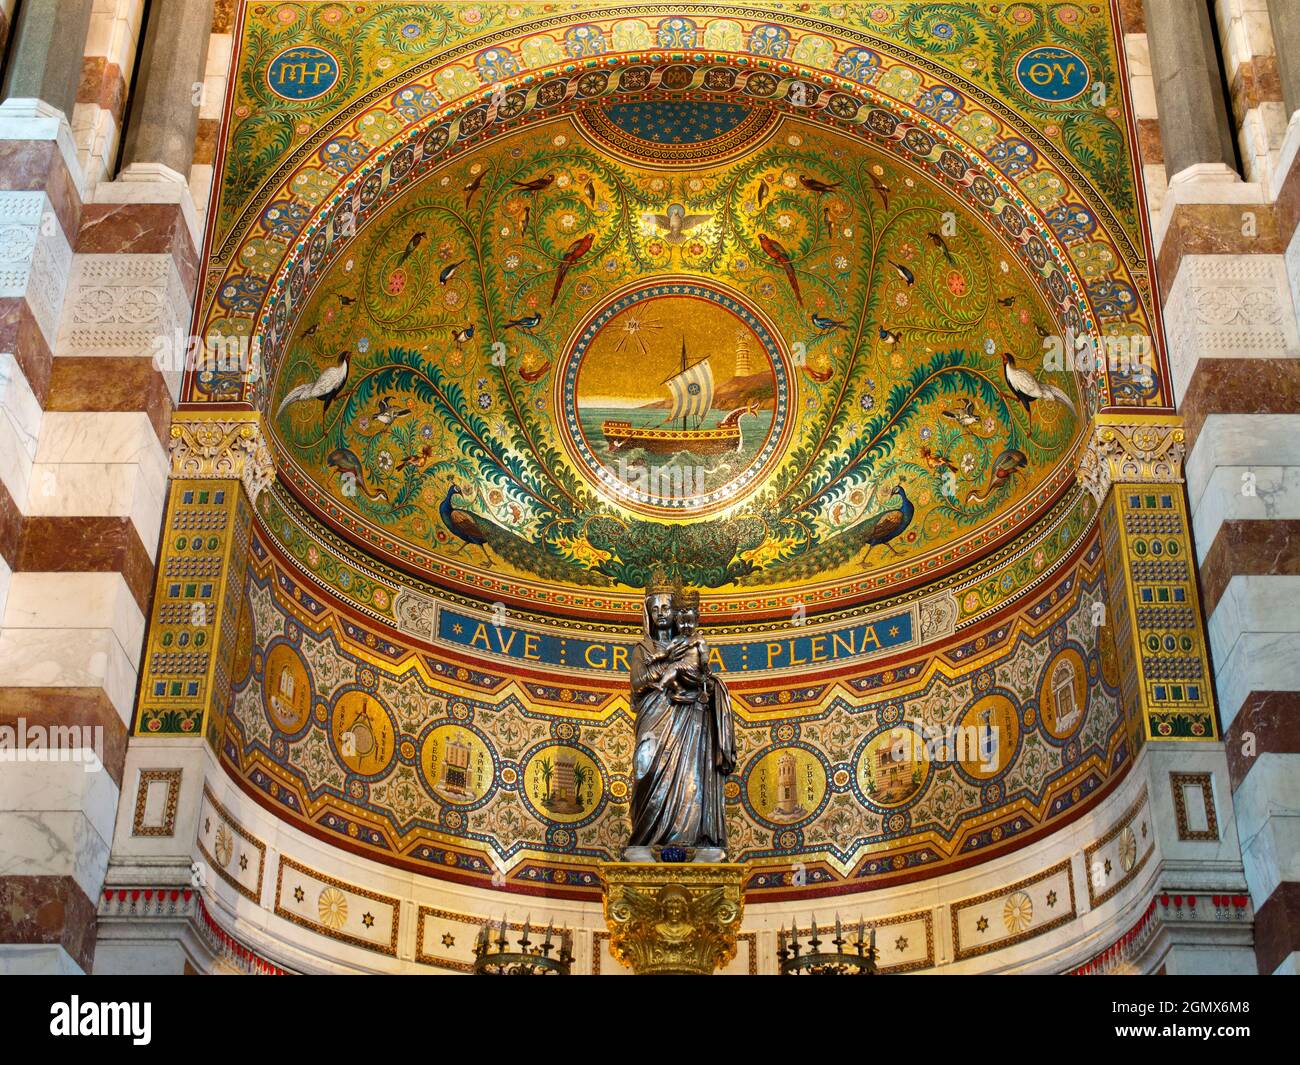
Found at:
[692, 391]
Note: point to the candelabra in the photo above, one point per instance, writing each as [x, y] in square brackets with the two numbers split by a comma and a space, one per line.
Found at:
[494, 956]
[811, 960]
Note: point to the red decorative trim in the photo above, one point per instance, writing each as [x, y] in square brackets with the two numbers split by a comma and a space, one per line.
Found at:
[1128, 946]
[233, 950]
[1219, 907]
[186, 905]
[1132, 943]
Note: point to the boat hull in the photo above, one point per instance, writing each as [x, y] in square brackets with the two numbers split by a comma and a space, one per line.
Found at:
[623, 436]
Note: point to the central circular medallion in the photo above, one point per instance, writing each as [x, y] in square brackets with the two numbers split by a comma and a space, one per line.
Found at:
[675, 398]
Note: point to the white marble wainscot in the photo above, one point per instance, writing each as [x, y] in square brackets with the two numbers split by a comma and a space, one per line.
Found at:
[113, 35]
[216, 72]
[102, 463]
[72, 630]
[63, 658]
[37, 959]
[118, 304]
[143, 855]
[56, 819]
[73, 602]
[1192, 860]
[1256, 492]
[20, 427]
[1292, 258]
[1267, 803]
[153, 183]
[127, 305]
[320, 931]
[35, 256]
[6, 576]
[1254, 606]
[1246, 37]
[29, 119]
[1157, 185]
[1247, 467]
[1242, 444]
[1141, 83]
[1229, 306]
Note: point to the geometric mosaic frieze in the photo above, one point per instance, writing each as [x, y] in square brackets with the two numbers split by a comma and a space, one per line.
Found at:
[190, 648]
[1156, 608]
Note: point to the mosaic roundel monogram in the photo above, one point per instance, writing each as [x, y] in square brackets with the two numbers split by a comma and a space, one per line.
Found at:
[1052, 74]
[302, 73]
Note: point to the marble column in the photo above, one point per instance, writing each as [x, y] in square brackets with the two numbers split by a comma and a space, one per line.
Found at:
[87, 388]
[107, 66]
[164, 112]
[1285, 19]
[1228, 255]
[1194, 124]
[6, 23]
[45, 52]
[67, 620]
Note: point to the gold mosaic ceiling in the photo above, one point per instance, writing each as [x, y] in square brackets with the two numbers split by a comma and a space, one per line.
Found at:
[560, 306]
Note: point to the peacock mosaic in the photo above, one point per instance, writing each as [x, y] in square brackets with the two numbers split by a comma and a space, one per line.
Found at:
[468, 349]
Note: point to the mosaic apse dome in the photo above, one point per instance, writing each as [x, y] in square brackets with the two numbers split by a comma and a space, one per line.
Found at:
[667, 332]
[540, 316]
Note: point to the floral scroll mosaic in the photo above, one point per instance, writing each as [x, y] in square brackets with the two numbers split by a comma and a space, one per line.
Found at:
[869, 251]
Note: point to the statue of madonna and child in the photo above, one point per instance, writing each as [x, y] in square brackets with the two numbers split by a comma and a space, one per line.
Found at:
[685, 735]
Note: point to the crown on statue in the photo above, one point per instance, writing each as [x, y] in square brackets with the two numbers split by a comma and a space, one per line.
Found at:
[661, 584]
[689, 597]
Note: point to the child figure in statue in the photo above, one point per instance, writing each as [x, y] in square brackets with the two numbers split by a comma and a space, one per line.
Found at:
[686, 655]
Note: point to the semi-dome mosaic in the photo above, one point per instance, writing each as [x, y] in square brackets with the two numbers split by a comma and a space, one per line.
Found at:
[549, 304]
[736, 373]
[786, 487]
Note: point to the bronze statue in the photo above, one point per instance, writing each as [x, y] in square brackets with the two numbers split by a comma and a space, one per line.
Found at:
[685, 735]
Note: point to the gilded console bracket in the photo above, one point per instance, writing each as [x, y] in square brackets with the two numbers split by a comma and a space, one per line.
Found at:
[208, 445]
[669, 918]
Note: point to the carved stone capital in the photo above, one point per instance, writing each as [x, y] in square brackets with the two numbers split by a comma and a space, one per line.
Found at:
[221, 445]
[673, 918]
[1132, 449]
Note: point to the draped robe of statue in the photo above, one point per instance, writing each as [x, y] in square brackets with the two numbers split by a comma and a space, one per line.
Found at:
[685, 750]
